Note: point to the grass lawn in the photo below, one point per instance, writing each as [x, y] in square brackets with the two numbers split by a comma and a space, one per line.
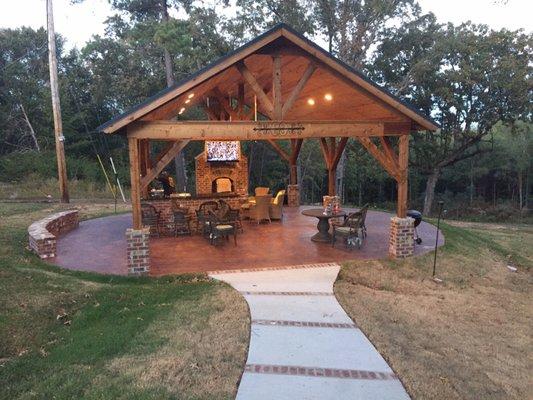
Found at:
[73, 335]
[467, 338]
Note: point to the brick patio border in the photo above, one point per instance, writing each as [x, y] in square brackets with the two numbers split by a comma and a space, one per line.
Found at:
[318, 372]
[301, 266]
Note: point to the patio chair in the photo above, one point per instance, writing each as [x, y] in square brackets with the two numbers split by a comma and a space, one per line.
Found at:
[276, 205]
[221, 229]
[261, 191]
[260, 211]
[150, 217]
[202, 216]
[351, 231]
[182, 222]
[232, 214]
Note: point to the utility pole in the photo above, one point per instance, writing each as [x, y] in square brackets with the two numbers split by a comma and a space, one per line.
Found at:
[56, 106]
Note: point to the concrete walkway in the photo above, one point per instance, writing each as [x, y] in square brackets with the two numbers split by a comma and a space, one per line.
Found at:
[303, 345]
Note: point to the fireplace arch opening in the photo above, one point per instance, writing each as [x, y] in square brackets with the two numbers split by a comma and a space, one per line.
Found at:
[223, 184]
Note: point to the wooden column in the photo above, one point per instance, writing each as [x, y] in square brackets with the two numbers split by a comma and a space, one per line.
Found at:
[332, 152]
[296, 145]
[403, 162]
[145, 162]
[276, 87]
[135, 177]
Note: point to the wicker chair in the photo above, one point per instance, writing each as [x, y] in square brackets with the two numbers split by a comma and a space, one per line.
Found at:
[276, 205]
[261, 191]
[182, 222]
[351, 231]
[150, 217]
[202, 215]
[231, 214]
[222, 228]
[260, 211]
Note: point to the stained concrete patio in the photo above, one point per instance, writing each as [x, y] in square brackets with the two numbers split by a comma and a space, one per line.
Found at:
[99, 245]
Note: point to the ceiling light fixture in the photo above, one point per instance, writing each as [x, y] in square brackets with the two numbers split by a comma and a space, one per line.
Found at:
[311, 102]
[182, 110]
[190, 96]
[328, 97]
[187, 101]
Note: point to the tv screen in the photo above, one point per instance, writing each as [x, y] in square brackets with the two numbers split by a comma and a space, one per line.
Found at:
[222, 151]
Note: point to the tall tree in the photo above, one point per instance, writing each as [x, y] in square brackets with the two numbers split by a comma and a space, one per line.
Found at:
[468, 77]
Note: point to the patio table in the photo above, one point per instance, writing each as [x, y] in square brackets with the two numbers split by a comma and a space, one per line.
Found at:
[323, 235]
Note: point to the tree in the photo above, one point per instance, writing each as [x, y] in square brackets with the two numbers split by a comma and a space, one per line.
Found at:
[467, 77]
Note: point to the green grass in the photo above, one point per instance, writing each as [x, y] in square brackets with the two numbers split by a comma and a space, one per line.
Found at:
[66, 334]
[466, 337]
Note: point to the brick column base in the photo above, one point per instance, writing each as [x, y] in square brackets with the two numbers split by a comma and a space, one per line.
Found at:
[401, 241]
[138, 241]
[293, 196]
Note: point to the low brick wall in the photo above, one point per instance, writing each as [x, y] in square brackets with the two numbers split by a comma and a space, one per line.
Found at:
[402, 237]
[166, 218]
[42, 234]
[293, 195]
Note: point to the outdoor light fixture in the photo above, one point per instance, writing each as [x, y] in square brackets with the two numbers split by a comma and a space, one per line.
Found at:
[328, 97]
[190, 96]
[182, 110]
[311, 102]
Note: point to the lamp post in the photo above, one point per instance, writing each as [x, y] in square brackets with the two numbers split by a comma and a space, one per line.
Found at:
[441, 203]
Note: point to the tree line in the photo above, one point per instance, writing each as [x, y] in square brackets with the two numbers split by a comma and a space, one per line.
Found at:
[474, 81]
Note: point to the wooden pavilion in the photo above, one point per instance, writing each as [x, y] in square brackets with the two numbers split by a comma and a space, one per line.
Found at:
[279, 86]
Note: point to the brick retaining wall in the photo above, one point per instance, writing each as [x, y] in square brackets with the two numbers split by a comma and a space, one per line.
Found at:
[42, 234]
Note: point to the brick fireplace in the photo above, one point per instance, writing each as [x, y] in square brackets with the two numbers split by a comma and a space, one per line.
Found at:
[221, 177]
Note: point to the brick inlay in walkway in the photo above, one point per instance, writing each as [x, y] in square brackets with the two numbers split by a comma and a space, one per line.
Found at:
[318, 372]
[258, 293]
[304, 324]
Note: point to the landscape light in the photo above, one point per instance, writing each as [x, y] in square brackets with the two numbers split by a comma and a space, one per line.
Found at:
[328, 97]
[311, 102]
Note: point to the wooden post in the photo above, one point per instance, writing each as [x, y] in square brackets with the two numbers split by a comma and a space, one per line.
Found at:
[403, 162]
[56, 105]
[135, 177]
[144, 156]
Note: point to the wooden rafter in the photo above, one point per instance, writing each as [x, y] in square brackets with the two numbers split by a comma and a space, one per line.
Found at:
[279, 150]
[311, 67]
[256, 87]
[380, 156]
[276, 87]
[163, 162]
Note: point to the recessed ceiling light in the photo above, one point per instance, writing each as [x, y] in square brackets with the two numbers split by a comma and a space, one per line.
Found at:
[328, 97]
[190, 96]
[311, 102]
[182, 110]
[187, 101]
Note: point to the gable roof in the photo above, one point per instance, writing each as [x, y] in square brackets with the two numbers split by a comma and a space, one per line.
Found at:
[230, 59]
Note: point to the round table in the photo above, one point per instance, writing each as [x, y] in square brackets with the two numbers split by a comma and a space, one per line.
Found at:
[322, 235]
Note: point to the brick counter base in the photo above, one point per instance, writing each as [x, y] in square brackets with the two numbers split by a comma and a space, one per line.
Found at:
[401, 241]
[138, 250]
[166, 217]
[42, 234]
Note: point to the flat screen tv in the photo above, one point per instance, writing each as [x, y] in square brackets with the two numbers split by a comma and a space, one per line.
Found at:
[222, 151]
